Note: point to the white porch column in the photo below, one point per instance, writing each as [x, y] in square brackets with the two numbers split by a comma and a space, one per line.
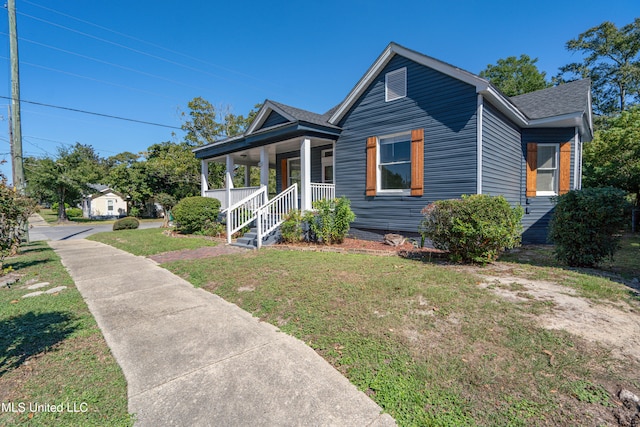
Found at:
[247, 175]
[204, 177]
[305, 175]
[264, 166]
[229, 164]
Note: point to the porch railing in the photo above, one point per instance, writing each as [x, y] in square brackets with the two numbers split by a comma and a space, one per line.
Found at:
[322, 191]
[272, 214]
[244, 211]
[235, 194]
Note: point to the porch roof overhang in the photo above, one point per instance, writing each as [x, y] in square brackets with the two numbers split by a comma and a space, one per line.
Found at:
[269, 136]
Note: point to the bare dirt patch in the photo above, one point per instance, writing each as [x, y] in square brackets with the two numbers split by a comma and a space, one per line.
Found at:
[614, 325]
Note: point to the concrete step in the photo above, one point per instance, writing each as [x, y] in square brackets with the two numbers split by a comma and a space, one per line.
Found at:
[250, 239]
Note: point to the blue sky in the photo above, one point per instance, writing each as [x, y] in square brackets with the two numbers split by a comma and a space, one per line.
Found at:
[145, 60]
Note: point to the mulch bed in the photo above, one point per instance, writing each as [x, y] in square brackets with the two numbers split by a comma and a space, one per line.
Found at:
[360, 246]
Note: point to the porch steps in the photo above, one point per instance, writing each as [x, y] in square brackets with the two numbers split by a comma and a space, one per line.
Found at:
[250, 239]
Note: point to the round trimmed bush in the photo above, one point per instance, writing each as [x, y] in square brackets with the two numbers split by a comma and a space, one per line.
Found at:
[194, 214]
[126, 223]
[587, 225]
[476, 228]
[74, 212]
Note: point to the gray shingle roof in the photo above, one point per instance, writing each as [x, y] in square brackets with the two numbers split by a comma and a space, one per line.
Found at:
[572, 97]
[306, 116]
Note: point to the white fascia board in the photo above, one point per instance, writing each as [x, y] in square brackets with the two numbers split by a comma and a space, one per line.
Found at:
[482, 86]
[565, 120]
[221, 142]
[503, 105]
[267, 107]
[364, 82]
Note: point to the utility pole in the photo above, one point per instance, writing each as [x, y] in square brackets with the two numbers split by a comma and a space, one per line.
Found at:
[13, 169]
[16, 127]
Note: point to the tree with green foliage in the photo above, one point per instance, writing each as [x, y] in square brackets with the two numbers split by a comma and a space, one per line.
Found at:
[64, 179]
[516, 76]
[173, 169]
[127, 174]
[612, 62]
[613, 157]
[14, 213]
[207, 124]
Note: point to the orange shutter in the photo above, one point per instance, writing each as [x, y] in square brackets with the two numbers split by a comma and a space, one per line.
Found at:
[370, 188]
[532, 166]
[283, 172]
[417, 162]
[564, 181]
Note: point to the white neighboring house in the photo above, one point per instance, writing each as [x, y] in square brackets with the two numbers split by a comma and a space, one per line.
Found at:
[103, 203]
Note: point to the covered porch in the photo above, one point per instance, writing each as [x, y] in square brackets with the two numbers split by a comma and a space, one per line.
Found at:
[304, 173]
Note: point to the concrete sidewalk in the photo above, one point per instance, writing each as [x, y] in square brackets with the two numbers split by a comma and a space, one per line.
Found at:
[192, 359]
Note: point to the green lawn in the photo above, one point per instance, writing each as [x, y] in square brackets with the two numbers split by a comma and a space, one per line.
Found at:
[52, 351]
[423, 340]
[150, 241]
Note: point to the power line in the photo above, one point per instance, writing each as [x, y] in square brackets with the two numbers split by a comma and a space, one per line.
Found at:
[92, 79]
[75, 110]
[108, 63]
[175, 52]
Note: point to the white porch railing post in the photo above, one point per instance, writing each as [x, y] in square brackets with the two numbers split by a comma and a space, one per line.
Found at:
[305, 172]
[228, 186]
[204, 177]
[264, 166]
[259, 228]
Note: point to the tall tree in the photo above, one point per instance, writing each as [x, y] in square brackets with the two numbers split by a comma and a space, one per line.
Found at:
[516, 76]
[128, 175]
[65, 178]
[173, 169]
[613, 157]
[208, 124]
[612, 61]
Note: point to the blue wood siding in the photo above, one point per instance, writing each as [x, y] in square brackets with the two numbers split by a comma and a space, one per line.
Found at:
[539, 209]
[445, 108]
[502, 159]
[273, 119]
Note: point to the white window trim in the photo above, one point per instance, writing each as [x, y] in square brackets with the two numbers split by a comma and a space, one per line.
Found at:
[324, 162]
[402, 70]
[379, 189]
[557, 173]
[289, 170]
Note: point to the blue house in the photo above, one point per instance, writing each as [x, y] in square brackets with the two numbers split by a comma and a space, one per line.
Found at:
[413, 130]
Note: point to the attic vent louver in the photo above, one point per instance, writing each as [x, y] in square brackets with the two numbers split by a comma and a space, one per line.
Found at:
[396, 84]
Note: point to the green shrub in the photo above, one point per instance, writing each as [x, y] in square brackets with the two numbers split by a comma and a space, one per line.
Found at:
[54, 206]
[74, 213]
[476, 228]
[331, 220]
[291, 229]
[126, 223]
[586, 225]
[135, 211]
[191, 214]
[213, 228]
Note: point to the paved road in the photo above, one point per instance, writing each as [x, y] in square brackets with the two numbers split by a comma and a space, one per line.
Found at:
[40, 230]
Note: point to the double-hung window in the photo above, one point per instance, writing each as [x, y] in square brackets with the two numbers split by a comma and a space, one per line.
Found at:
[394, 162]
[547, 165]
[548, 169]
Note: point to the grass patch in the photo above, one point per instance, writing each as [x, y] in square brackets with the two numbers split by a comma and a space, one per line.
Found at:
[51, 217]
[422, 340]
[150, 241]
[52, 352]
